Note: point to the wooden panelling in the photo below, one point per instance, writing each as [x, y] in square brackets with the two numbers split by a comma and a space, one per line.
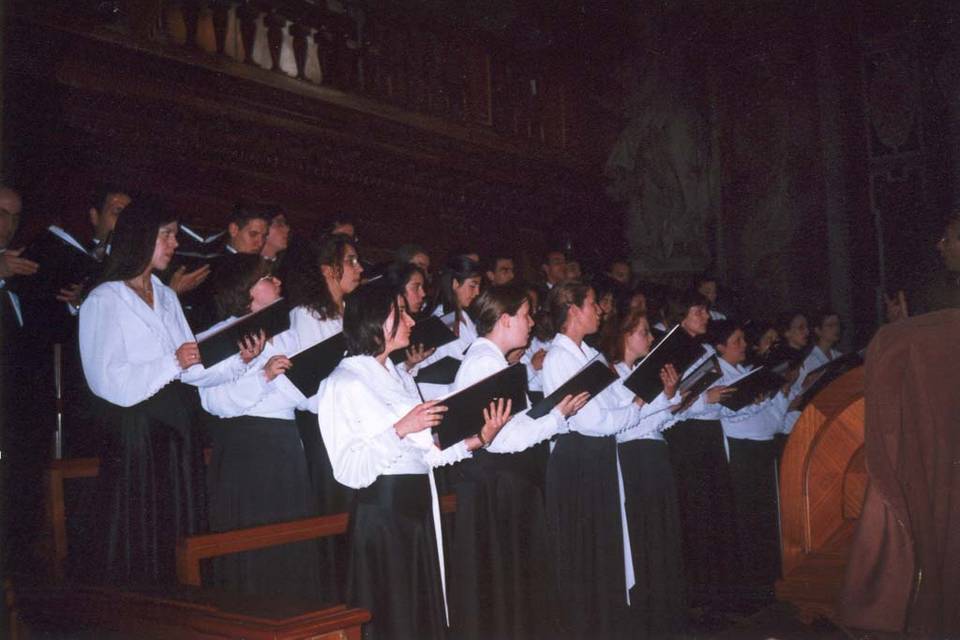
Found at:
[822, 480]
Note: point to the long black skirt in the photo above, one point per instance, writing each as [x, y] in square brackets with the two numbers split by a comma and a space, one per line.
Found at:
[658, 599]
[586, 533]
[332, 497]
[394, 571]
[500, 564]
[753, 472]
[705, 501]
[258, 475]
[149, 492]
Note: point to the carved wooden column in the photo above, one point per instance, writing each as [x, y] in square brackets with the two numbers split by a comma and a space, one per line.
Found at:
[275, 24]
[247, 17]
[221, 17]
[327, 51]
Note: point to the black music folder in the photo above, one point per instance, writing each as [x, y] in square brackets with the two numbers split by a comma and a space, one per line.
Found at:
[750, 386]
[220, 345]
[594, 377]
[698, 381]
[824, 375]
[443, 371]
[312, 365]
[431, 333]
[464, 416]
[676, 348]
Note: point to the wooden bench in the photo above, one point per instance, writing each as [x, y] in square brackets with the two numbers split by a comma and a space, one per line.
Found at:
[193, 549]
[173, 613]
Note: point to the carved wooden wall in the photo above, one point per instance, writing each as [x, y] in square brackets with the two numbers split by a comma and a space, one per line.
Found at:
[170, 107]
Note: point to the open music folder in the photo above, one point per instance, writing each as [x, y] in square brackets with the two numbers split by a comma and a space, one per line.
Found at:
[223, 343]
[676, 348]
[312, 365]
[464, 416]
[593, 377]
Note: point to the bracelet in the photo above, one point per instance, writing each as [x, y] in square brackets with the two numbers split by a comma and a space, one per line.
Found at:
[483, 443]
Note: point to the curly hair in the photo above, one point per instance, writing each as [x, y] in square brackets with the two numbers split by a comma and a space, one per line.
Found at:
[302, 275]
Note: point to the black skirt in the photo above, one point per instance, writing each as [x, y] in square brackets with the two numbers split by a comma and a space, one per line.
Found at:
[149, 491]
[258, 475]
[394, 571]
[705, 501]
[658, 599]
[499, 560]
[585, 528]
[753, 472]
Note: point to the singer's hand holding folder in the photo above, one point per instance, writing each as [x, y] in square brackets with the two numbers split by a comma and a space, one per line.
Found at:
[223, 343]
[750, 387]
[676, 348]
[593, 378]
[464, 416]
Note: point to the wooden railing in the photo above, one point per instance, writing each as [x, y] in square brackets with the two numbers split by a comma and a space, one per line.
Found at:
[395, 59]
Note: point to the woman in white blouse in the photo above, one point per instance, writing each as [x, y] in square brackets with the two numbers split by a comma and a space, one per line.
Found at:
[658, 597]
[702, 474]
[501, 567]
[459, 286]
[317, 276]
[258, 472]
[377, 434]
[750, 433]
[136, 348]
[584, 514]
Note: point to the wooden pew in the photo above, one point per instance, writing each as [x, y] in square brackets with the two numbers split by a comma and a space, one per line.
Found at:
[58, 472]
[188, 611]
[193, 549]
[822, 484]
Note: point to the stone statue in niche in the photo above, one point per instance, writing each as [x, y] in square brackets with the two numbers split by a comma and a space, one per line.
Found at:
[662, 164]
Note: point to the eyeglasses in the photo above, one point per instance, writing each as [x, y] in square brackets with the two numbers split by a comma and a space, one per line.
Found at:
[353, 261]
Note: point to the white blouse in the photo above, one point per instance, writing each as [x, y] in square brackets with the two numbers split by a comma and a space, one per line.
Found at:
[358, 406]
[534, 376]
[816, 358]
[755, 421]
[484, 359]
[128, 349]
[252, 394]
[309, 330]
[604, 414]
[455, 349]
[655, 416]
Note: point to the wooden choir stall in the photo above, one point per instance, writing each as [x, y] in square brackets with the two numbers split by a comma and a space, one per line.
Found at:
[822, 484]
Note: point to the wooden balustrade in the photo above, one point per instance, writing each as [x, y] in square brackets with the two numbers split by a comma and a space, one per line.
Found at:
[443, 72]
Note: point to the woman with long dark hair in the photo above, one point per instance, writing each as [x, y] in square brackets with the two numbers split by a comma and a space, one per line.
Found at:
[318, 275]
[377, 432]
[658, 598]
[501, 567]
[258, 473]
[459, 286]
[137, 349]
